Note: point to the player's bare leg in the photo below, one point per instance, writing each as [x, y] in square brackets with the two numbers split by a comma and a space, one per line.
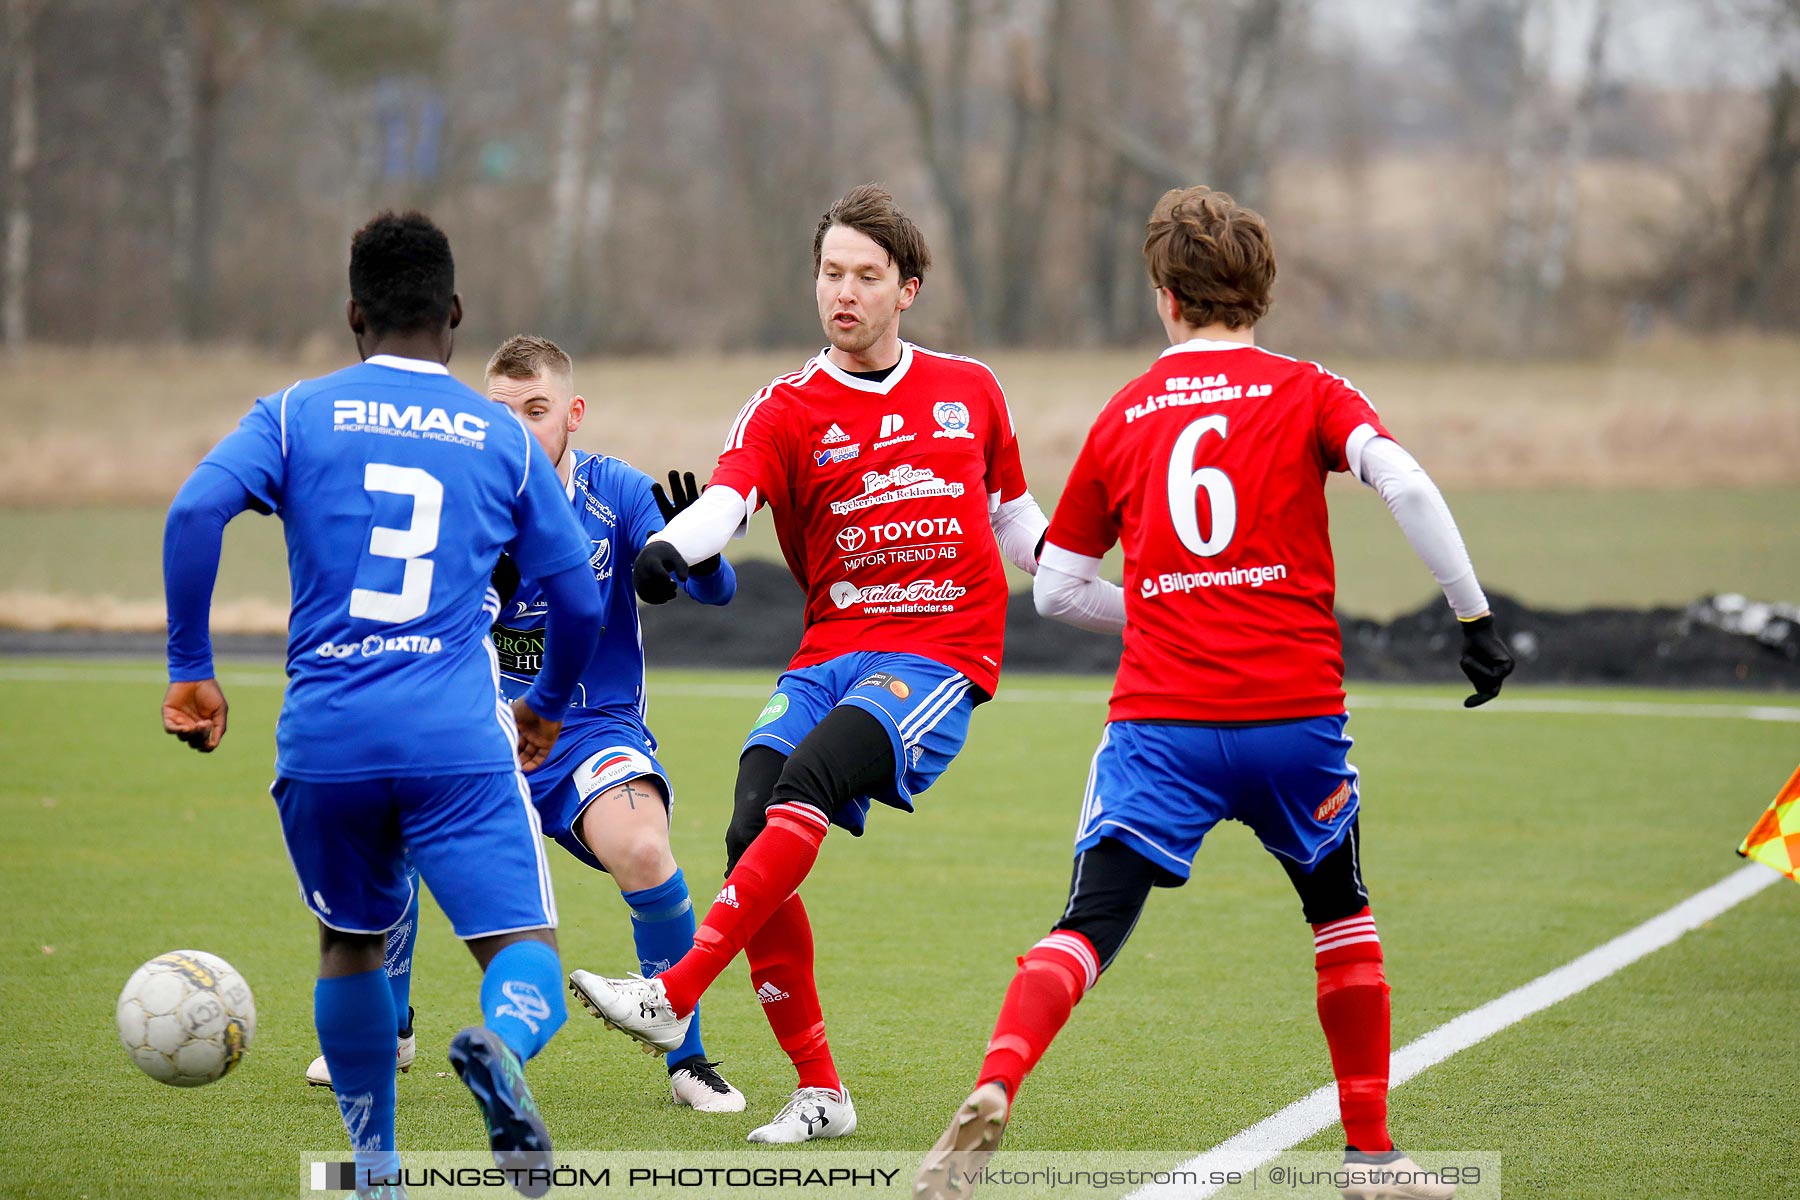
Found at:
[627, 828]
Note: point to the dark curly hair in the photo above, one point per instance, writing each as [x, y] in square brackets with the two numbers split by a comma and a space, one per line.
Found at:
[402, 275]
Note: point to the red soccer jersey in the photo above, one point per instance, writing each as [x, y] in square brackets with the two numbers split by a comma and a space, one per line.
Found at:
[881, 495]
[1211, 467]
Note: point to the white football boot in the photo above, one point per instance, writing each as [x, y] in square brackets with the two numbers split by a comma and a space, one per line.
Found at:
[974, 1134]
[319, 1075]
[697, 1084]
[809, 1113]
[1380, 1177]
[633, 1005]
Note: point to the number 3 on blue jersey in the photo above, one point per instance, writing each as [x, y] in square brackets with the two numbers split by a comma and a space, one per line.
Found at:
[410, 544]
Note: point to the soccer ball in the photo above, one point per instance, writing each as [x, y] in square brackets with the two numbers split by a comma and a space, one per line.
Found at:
[186, 1017]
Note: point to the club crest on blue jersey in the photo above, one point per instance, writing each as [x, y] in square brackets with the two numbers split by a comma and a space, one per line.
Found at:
[601, 559]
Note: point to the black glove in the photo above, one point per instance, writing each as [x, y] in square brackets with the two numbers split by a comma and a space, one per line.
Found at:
[650, 573]
[682, 494]
[506, 580]
[1485, 660]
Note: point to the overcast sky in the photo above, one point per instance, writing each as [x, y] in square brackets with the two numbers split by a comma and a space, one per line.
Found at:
[1684, 43]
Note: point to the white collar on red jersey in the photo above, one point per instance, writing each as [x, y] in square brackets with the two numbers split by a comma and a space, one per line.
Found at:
[868, 385]
[407, 364]
[1205, 344]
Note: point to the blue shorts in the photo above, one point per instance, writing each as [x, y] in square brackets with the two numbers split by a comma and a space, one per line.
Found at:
[590, 757]
[1159, 788]
[474, 839]
[923, 705]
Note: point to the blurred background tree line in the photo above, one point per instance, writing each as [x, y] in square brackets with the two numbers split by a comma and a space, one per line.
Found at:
[1444, 176]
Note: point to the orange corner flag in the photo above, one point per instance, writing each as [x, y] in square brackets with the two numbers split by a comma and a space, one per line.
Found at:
[1776, 838]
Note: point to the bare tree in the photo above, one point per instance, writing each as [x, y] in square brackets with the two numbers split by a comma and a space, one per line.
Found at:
[209, 47]
[939, 105]
[1038, 57]
[1553, 263]
[21, 55]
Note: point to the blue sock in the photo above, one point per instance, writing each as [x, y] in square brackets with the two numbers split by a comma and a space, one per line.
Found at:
[662, 925]
[354, 1016]
[397, 957]
[521, 994]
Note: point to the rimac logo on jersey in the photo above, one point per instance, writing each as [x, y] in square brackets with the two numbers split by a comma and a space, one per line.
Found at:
[904, 482]
[953, 418]
[412, 421]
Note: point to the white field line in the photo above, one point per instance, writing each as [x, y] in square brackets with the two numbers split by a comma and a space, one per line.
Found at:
[21, 672]
[1304, 1118]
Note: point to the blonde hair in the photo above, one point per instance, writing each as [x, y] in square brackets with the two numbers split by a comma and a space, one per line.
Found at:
[526, 354]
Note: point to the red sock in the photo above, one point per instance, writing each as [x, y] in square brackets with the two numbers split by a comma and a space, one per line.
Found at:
[1053, 976]
[1353, 1009]
[763, 879]
[781, 971]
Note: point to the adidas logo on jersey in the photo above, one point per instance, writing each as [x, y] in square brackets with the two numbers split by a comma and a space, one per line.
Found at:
[768, 993]
[727, 896]
[834, 435]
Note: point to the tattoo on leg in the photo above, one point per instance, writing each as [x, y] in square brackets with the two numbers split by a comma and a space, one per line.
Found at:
[632, 795]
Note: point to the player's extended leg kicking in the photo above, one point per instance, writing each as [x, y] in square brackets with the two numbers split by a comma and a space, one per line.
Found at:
[893, 474]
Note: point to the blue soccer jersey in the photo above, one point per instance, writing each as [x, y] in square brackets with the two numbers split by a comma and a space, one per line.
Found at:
[613, 502]
[398, 488]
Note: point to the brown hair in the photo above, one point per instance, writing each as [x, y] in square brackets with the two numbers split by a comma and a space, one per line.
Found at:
[869, 209]
[526, 354]
[1215, 256]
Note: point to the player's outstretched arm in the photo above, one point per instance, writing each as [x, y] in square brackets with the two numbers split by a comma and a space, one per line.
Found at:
[1419, 509]
[711, 580]
[1068, 588]
[194, 708]
[694, 534]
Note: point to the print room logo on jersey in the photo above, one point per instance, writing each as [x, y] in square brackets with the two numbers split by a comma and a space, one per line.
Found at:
[904, 482]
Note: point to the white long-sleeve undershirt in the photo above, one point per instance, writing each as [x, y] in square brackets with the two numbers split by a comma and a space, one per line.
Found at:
[705, 527]
[1421, 513]
[1068, 587]
[1018, 524]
